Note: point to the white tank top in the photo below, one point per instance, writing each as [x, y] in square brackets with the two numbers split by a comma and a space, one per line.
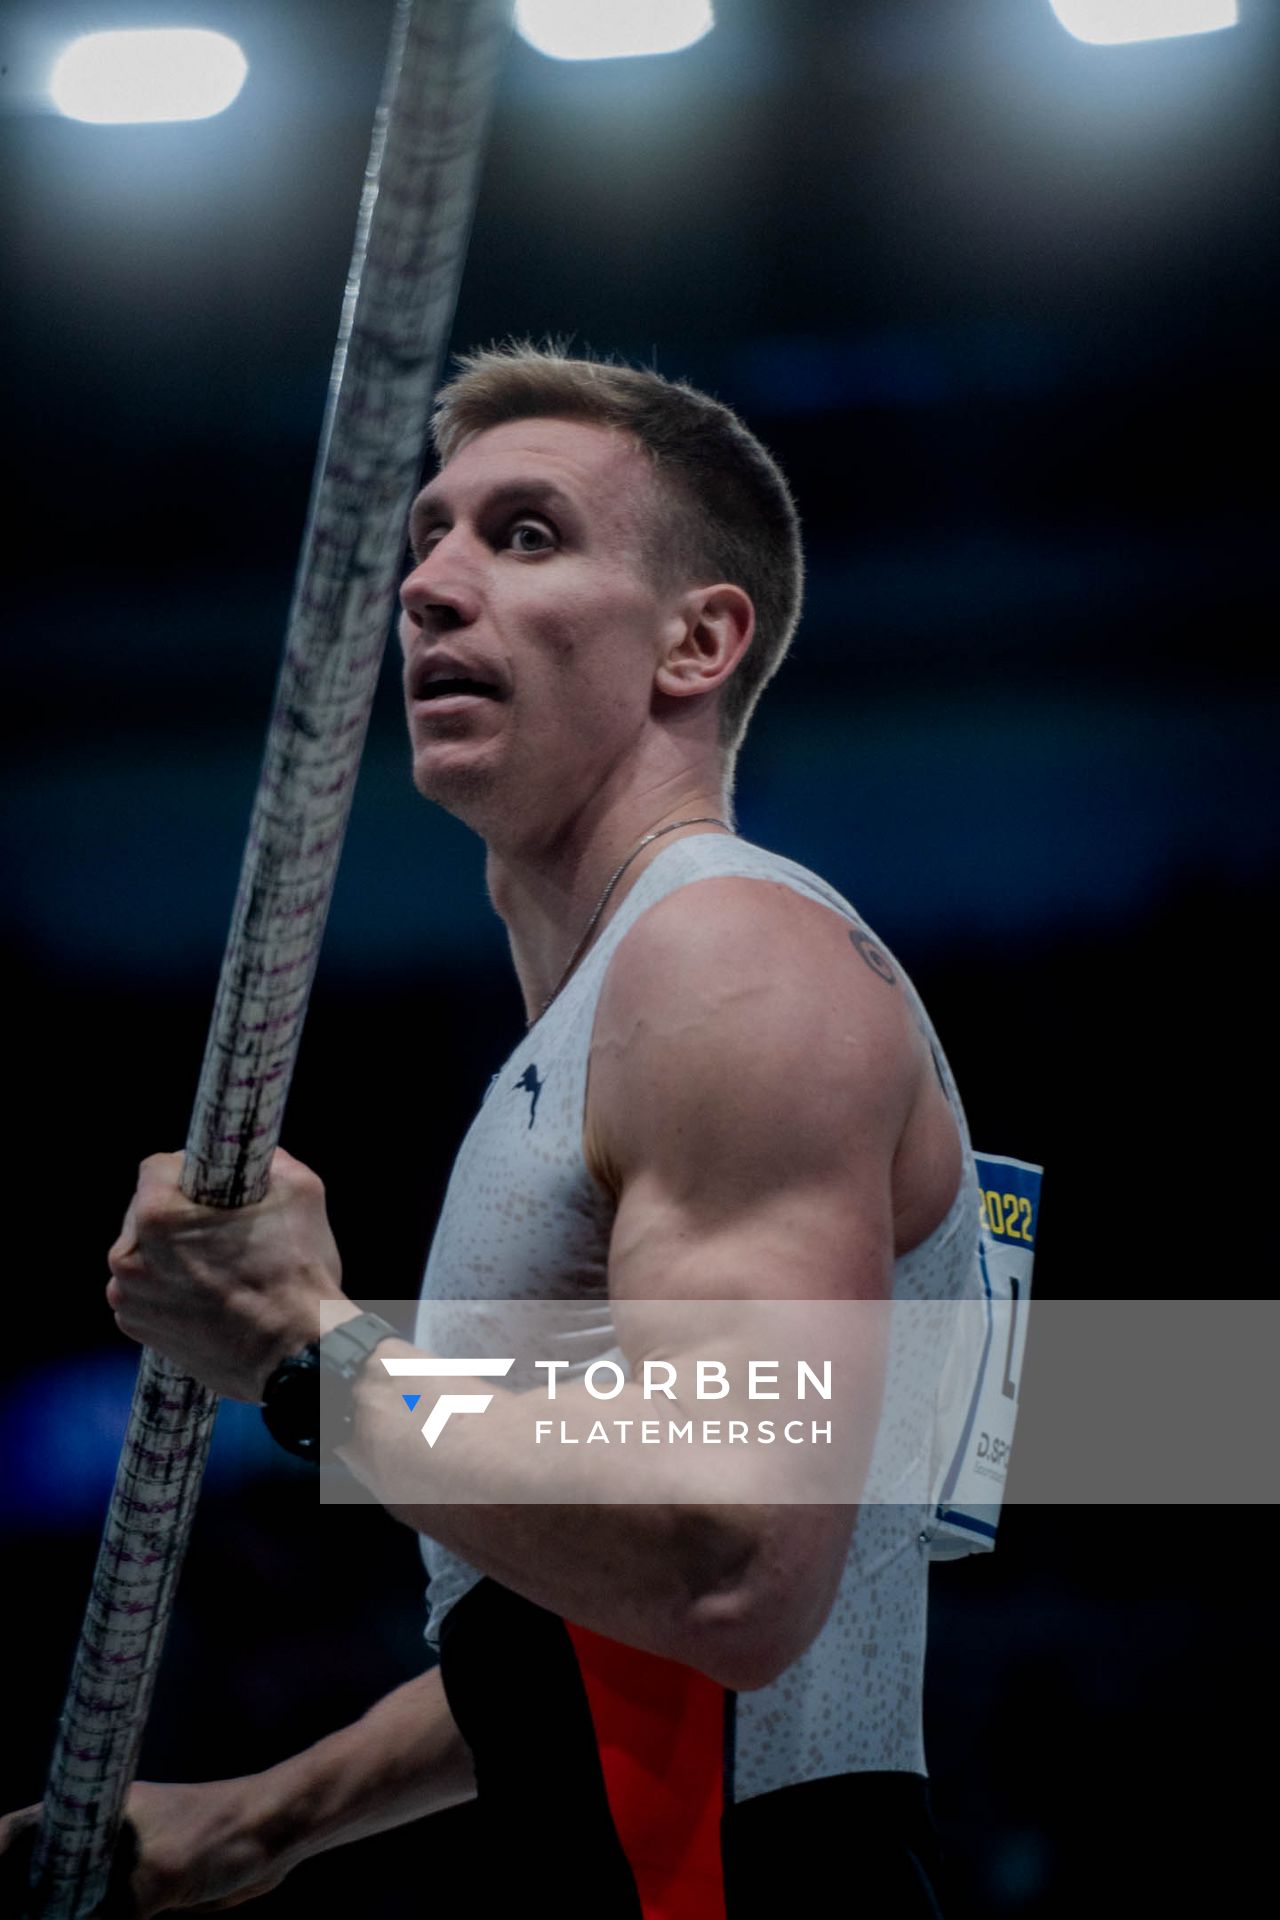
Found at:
[523, 1218]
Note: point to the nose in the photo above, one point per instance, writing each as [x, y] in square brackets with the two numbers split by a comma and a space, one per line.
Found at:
[440, 594]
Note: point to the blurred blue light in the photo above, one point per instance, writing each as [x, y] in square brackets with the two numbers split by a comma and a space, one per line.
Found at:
[60, 1433]
[900, 367]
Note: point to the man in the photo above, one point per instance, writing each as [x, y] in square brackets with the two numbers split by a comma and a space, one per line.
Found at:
[729, 1092]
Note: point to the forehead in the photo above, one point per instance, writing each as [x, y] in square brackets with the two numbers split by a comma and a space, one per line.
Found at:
[603, 472]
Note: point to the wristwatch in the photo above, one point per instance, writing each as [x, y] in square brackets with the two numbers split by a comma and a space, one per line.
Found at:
[291, 1398]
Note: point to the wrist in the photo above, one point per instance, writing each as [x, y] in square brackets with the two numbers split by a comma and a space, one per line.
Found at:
[284, 1814]
[291, 1396]
[314, 1800]
[311, 1312]
[314, 1313]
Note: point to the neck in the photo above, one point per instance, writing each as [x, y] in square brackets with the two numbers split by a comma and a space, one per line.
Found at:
[547, 890]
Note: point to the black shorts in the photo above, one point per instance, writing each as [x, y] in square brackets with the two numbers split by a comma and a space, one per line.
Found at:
[605, 1790]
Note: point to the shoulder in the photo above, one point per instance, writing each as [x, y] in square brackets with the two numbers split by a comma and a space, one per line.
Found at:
[723, 945]
[744, 996]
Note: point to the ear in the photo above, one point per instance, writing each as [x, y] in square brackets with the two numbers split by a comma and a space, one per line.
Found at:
[707, 636]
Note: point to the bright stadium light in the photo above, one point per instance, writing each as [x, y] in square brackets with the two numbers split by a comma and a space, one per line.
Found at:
[153, 73]
[1107, 23]
[611, 29]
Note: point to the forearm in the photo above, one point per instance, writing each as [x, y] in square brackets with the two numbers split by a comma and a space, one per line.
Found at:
[661, 1579]
[401, 1760]
[693, 1582]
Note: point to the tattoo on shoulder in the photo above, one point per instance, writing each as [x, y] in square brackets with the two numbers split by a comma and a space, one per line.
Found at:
[876, 959]
[880, 965]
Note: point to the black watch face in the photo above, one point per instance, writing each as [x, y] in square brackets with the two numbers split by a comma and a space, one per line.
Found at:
[292, 1410]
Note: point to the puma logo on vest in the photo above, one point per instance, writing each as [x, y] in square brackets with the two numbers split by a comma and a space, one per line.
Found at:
[529, 1083]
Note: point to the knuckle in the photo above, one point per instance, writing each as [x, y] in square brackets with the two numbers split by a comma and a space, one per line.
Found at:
[158, 1174]
[295, 1175]
[153, 1210]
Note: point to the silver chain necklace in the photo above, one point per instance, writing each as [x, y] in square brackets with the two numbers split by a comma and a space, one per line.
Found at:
[702, 820]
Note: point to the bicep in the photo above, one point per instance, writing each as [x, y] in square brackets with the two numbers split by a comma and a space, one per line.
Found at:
[747, 1099]
[749, 1084]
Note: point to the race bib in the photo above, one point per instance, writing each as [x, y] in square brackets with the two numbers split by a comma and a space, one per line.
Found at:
[978, 1397]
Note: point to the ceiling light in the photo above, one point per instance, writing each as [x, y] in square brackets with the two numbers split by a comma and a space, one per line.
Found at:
[166, 73]
[1109, 22]
[610, 29]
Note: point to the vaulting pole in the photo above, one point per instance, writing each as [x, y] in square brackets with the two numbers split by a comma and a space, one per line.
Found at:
[411, 238]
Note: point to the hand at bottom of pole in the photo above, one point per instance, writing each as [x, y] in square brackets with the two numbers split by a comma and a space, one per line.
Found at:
[181, 1849]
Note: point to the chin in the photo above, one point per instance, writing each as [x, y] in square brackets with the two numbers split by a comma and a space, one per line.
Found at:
[461, 785]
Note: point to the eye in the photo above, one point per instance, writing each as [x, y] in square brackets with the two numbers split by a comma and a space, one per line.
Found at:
[530, 536]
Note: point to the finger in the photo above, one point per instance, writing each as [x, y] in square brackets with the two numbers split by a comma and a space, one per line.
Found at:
[285, 1169]
[126, 1241]
[292, 1174]
[158, 1174]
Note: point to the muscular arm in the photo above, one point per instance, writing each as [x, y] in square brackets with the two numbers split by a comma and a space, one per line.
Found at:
[750, 1084]
[750, 1081]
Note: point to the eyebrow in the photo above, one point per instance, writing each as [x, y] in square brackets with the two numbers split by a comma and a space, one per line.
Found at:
[431, 509]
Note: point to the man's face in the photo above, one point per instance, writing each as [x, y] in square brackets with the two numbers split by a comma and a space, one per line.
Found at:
[531, 624]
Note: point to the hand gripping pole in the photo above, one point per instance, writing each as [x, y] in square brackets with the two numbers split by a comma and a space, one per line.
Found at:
[411, 237]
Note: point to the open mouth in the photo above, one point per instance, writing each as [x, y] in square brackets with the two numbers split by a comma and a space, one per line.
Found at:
[451, 688]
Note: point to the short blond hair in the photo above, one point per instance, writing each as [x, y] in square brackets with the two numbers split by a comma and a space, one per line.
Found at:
[725, 511]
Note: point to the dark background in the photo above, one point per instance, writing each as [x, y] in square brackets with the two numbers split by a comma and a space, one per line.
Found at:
[1005, 307]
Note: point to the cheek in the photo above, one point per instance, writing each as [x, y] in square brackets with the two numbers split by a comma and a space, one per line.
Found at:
[559, 626]
[598, 637]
